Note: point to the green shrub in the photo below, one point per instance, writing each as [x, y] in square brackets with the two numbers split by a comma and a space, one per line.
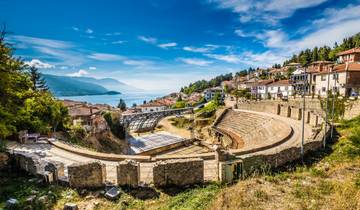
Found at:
[77, 133]
[2, 145]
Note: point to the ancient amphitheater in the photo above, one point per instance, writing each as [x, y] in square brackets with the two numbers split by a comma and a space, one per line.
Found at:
[248, 138]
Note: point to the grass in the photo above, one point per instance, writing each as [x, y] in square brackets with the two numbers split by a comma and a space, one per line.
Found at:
[329, 179]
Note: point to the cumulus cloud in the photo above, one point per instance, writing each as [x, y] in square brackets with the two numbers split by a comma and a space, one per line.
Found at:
[92, 68]
[79, 73]
[167, 45]
[150, 40]
[195, 61]
[39, 64]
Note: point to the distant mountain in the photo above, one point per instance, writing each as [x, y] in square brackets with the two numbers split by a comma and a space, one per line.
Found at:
[75, 86]
[110, 84]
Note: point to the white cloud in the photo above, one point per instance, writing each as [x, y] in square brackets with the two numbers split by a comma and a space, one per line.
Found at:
[92, 68]
[113, 34]
[75, 28]
[65, 57]
[34, 41]
[150, 40]
[63, 67]
[197, 49]
[39, 64]
[167, 45]
[227, 58]
[269, 11]
[118, 42]
[80, 73]
[106, 57]
[137, 62]
[195, 61]
[89, 31]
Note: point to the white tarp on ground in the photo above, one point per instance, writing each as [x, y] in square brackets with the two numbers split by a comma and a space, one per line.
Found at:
[152, 141]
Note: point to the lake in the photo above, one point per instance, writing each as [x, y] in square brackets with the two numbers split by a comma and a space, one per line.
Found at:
[113, 100]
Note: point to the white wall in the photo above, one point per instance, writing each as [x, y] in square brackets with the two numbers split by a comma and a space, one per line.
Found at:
[283, 89]
[322, 82]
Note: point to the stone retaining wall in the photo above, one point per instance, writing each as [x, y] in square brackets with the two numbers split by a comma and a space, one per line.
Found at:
[180, 172]
[87, 175]
[257, 163]
[128, 173]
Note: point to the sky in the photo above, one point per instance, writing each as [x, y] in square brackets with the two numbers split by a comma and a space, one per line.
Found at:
[166, 44]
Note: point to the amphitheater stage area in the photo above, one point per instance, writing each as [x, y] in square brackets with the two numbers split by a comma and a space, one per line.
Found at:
[154, 143]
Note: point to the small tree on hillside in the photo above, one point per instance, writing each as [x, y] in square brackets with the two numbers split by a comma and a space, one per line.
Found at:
[121, 105]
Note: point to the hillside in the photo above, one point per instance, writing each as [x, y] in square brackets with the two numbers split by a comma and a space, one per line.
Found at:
[109, 83]
[74, 86]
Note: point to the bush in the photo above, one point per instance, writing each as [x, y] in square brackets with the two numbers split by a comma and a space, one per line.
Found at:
[114, 123]
[2, 145]
[77, 133]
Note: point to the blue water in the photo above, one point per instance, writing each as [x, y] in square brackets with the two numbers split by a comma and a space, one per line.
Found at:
[113, 100]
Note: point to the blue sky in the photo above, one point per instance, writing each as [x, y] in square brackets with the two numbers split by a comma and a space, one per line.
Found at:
[166, 44]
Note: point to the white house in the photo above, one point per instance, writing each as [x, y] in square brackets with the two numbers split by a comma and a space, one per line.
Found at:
[152, 107]
[279, 89]
[343, 77]
[211, 92]
[261, 88]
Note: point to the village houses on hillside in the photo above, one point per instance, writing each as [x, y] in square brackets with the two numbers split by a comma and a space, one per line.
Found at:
[343, 76]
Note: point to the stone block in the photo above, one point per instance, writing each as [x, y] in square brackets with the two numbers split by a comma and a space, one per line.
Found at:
[128, 172]
[55, 167]
[70, 206]
[27, 162]
[87, 175]
[296, 113]
[314, 120]
[178, 172]
[113, 193]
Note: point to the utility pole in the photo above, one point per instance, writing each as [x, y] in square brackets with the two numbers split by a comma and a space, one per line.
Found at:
[326, 107]
[333, 106]
[303, 116]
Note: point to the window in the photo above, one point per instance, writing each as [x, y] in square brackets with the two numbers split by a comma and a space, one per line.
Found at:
[323, 89]
[323, 77]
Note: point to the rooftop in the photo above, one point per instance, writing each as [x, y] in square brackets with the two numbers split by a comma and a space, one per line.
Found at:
[280, 83]
[351, 51]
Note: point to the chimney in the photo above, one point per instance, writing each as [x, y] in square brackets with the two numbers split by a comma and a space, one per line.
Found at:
[91, 110]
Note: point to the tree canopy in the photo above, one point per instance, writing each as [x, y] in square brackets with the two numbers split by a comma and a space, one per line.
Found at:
[25, 103]
[201, 85]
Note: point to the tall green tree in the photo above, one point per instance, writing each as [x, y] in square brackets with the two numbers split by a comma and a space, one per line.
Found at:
[38, 83]
[121, 105]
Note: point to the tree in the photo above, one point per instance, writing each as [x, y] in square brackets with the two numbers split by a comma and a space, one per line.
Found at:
[38, 83]
[121, 105]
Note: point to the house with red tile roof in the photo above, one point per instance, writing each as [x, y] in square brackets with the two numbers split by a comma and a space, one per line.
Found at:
[280, 89]
[343, 77]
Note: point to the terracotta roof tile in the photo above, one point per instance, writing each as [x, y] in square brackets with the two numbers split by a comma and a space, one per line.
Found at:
[351, 51]
[280, 83]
